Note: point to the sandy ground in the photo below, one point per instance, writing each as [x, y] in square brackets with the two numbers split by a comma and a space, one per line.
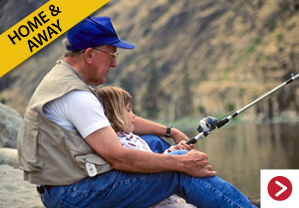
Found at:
[15, 192]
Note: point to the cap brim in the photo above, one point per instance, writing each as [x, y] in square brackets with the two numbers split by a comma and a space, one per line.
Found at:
[123, 44]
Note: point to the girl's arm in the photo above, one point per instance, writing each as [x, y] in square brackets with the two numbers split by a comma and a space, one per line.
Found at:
[144, 126]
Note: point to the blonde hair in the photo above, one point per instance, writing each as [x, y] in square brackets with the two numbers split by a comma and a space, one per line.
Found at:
[114, 101]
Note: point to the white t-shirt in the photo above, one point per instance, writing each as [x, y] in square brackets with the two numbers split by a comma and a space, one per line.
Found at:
[79, 110]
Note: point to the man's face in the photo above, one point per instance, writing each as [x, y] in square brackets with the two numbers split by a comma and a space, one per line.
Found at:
[103, 60]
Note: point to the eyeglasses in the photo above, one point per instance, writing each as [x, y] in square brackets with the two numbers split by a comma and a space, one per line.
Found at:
[114, 55]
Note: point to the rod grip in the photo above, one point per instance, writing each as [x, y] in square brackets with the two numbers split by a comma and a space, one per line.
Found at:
[222, 122]
[191, 141]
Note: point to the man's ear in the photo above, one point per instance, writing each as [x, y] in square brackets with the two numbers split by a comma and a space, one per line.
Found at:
[88, 55]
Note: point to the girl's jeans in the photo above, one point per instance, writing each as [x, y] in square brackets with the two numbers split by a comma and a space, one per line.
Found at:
[132, 190]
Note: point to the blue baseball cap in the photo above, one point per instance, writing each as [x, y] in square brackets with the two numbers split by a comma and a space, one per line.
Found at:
[95, 31]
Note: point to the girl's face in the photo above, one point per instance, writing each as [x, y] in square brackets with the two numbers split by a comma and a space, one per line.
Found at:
[129, 116]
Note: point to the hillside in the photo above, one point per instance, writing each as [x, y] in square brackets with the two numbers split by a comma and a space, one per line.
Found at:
[192, 58]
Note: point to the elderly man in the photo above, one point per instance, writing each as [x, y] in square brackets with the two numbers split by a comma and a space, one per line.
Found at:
[68, 148]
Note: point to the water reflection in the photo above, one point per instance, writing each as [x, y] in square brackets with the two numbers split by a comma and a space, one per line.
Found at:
[238, 153]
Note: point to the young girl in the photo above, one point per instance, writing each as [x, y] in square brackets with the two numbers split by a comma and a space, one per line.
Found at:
[117, 105]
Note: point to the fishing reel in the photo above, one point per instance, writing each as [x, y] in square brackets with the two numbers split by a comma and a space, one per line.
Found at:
[207, 125]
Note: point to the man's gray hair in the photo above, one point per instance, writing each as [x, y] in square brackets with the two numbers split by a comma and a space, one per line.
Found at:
[69, 53]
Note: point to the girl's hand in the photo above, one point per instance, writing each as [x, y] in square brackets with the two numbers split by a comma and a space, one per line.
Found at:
[178, 136]
[183, 146]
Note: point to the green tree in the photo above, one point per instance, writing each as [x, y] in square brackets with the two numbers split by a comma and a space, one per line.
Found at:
[151, 98]
[183, 101]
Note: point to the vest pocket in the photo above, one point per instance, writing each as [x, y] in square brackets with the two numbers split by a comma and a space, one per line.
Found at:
[27, 143]
[101, 165]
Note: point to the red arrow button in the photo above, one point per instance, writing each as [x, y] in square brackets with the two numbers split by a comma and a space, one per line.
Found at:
[280, 188]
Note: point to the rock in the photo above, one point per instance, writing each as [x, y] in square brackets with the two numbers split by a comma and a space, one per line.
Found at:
[15, 192]
[9, 156]
[10, 123]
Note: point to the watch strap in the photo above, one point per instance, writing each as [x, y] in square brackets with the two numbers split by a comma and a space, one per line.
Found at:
[168, 130]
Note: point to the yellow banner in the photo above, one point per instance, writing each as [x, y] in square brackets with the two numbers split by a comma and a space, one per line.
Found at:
[42, 27]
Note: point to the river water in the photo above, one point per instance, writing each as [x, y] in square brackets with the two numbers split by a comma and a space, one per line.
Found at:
[239, 152]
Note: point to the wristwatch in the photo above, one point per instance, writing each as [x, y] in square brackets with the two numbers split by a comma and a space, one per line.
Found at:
[167, 135]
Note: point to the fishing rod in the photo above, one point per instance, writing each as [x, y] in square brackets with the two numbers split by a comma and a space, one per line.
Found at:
[208, 124]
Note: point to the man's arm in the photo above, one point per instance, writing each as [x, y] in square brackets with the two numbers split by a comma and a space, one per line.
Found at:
[105, 142]
[143, 126]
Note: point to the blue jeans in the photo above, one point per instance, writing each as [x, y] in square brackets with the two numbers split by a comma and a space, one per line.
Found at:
[132, 190]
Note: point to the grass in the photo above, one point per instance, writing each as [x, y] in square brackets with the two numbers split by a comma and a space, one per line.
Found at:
[249, 50]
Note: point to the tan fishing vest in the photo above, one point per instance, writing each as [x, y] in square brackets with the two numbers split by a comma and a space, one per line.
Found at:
[48, 153]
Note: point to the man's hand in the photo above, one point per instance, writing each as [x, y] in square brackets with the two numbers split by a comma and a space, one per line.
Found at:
[197, 165]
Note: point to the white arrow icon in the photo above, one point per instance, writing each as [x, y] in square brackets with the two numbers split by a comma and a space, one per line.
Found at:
[284, 188]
